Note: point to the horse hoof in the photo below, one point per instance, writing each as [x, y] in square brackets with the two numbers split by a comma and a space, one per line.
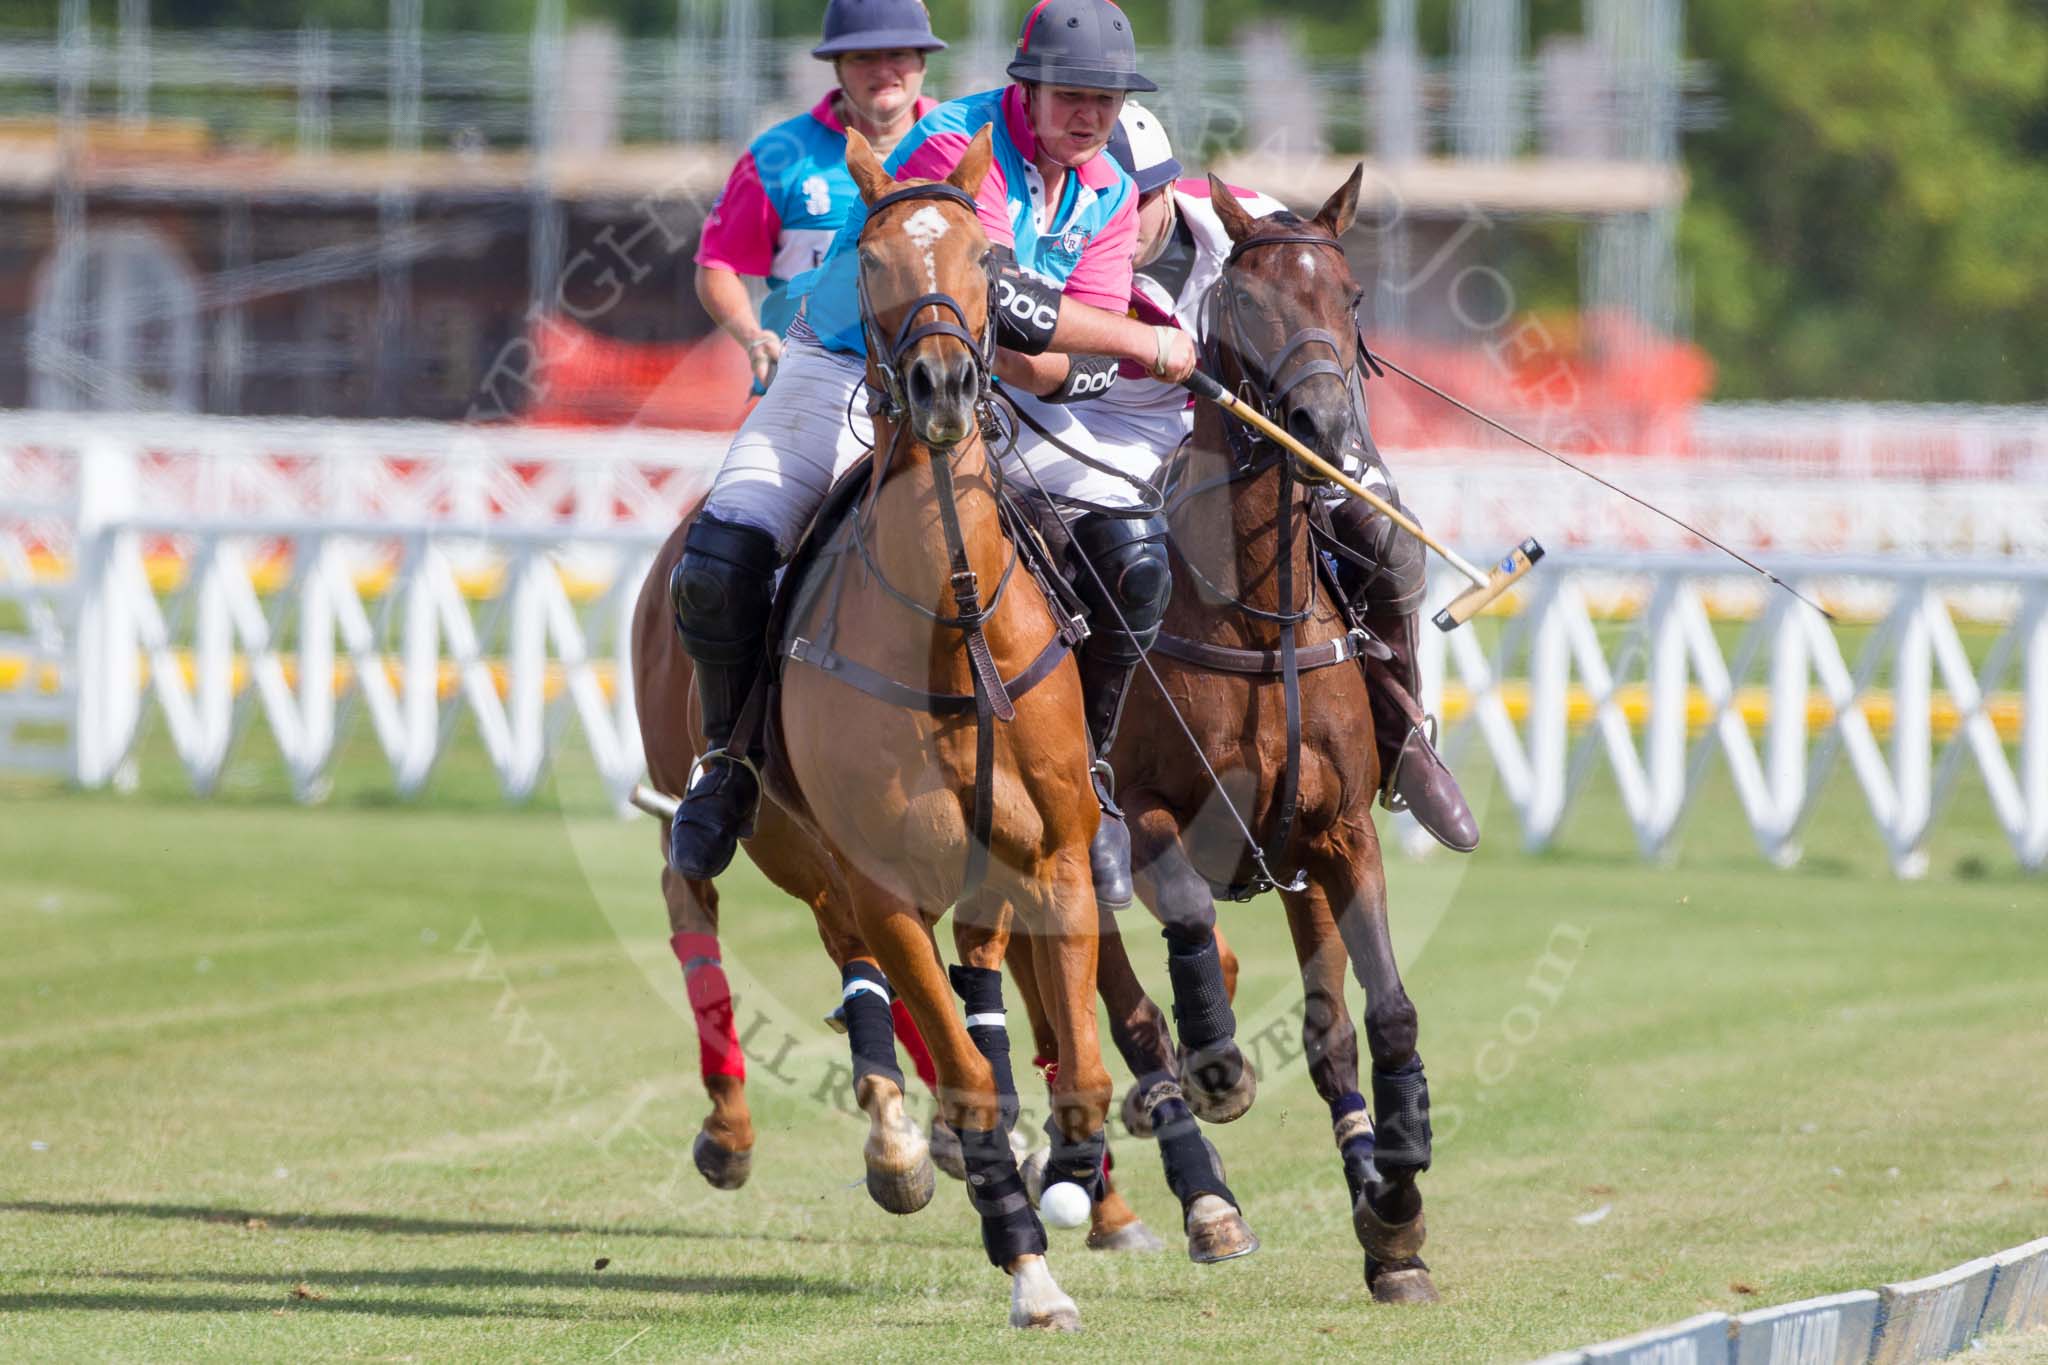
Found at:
[1217, 1232]
[1032, 1169]
[1037, 1303]
[1383, 1241]
[946, 1153]
[1218, 1081]
[723, 1168]
[1132, 1236]
[1137, 1122]
[904, 1191]
[1404, 1281]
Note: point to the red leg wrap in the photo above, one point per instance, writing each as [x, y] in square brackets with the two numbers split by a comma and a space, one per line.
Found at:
[718, 1044]
[913, 1043]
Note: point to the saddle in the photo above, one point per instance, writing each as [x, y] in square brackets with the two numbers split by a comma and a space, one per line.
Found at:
[803, 624]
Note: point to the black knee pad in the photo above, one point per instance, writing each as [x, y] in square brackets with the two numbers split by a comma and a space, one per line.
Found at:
[1129, 555]
[1397, 580]
[721, 589]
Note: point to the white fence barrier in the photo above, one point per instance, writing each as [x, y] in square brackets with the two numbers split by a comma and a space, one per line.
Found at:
[1778, 498]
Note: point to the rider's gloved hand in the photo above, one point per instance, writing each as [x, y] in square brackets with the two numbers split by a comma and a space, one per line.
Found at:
[1176, 358]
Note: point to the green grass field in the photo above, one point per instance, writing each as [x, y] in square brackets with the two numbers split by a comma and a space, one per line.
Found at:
[385, 1081]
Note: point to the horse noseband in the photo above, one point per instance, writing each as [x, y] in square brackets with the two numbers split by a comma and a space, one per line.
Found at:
[888, 360]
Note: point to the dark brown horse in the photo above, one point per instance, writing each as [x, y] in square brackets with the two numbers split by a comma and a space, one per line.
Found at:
[1282, 330]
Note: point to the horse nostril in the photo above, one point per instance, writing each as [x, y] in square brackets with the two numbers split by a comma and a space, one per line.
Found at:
[919, 382]
[961, 380]
[1303, 427]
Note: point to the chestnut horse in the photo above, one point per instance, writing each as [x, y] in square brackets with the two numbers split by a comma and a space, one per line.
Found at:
[1251, 617]
[886, 813]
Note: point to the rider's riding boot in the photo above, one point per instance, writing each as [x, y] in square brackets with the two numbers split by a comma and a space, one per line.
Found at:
[1386, 592]
[1413, 776]
[721, 590]
[1126, 596]
[1103, 686]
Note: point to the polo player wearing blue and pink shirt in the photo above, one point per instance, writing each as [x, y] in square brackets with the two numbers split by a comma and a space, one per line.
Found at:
[788, 195]
[1062, 219]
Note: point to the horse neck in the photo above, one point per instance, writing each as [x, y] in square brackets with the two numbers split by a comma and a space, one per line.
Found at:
[1248, 570]
[908, 537]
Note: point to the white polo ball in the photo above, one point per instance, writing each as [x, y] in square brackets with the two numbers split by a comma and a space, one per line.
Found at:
[1065, 1205]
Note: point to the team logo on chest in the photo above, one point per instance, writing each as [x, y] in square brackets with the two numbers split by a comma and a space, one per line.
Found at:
[817, 195]
[1072, 240]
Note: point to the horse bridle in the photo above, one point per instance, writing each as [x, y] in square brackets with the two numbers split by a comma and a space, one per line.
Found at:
[1259, 383]
[888, 361]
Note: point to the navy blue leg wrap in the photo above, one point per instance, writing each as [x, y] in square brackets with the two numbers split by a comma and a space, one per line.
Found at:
[1079, 1162]
[1400, 1106]
[981, 993]
[1009, 1226]
[1201, 1004]
[869, 1029]
[1191, 1169]
[1357, 1150]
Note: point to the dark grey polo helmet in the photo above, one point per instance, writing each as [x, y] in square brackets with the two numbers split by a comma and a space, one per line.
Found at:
[1087, 44]
[876, 26]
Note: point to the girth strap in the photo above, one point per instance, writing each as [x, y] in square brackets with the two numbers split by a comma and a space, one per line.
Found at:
[1267, 662]
[864, 679]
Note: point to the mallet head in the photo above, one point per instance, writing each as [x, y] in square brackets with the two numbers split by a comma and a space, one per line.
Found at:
[1511, 569]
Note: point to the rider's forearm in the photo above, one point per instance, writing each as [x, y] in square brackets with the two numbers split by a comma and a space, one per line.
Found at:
[724, 296]
[1038, 375]
[1087, 330]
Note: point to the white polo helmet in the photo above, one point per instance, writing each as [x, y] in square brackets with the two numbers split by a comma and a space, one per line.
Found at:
[1141, 147]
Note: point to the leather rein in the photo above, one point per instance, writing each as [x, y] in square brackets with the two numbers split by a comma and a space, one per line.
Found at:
[993, 697]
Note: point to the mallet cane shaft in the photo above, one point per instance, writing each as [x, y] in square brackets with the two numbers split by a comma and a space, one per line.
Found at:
[1486, 586]
[660, 805]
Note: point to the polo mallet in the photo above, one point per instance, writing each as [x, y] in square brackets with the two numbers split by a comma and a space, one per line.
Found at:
[1486, 587]
[660, 805]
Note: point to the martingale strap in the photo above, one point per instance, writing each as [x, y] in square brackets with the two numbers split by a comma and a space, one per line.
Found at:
[883, 688]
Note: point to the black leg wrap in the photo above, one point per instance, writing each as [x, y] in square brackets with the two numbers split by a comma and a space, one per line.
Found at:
[1400, 1104]
[1191, 1169]
[1201, 1003]
[1009, 1226]
[1355, 1151]
[981, 992]
[869, 1030]
[1079, 1162]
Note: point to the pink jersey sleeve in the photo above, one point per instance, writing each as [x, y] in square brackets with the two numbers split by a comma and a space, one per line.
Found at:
[935, 158]
[741, 232]
[1103, 275]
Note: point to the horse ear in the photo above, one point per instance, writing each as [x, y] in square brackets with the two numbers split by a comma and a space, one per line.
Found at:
[1236, 221]
[973, 166]
[1340, 210]
[866, 168]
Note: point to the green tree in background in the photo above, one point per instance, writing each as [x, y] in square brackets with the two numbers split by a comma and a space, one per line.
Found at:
[1870, 219]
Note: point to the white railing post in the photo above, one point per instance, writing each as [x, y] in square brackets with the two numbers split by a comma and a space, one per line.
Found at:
[107, 671]
[2033, 623]
[1912, 732]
